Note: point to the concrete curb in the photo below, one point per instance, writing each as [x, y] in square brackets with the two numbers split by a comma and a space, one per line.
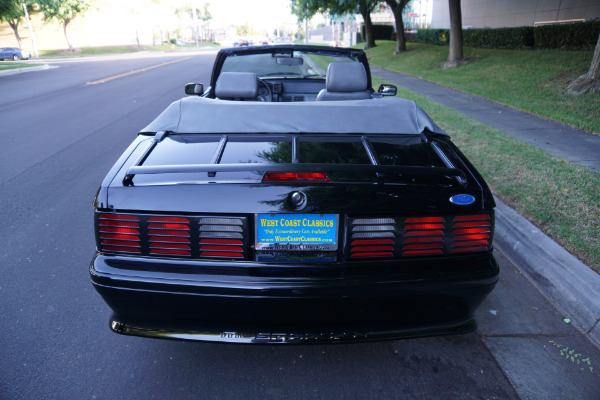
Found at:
[27, 69]
[569, 284]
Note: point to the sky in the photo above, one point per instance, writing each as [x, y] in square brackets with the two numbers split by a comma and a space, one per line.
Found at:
[263, 14]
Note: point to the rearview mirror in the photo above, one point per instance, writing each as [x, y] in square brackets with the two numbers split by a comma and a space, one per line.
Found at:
[387, 90]
[194, 89]
[289, 61]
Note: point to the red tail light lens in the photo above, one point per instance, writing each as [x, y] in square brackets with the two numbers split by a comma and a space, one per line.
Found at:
[423, 236]
[471, 233]
[296, 177]
[119, 232]
[169, 235]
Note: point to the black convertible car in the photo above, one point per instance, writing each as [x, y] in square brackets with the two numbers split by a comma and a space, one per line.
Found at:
[292, 203]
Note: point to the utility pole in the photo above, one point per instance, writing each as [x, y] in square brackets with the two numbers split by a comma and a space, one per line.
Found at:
[195, 23]
[306, 25]
[35, 51]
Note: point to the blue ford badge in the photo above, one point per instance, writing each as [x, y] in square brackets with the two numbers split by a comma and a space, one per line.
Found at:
[462, 199]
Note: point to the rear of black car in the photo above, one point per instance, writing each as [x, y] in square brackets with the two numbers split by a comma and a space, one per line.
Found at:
[293, 238]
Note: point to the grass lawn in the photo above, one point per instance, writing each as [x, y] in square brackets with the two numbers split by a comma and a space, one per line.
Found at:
[530, 80]
[561, 198]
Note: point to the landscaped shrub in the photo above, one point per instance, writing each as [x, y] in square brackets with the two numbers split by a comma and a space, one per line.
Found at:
[576, 36]
[500, 38]
[433, 36]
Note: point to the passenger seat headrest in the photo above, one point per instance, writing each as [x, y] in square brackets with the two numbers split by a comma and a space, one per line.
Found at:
[346, 77]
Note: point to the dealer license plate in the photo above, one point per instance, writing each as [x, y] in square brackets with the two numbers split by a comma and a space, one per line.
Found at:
[296, 232]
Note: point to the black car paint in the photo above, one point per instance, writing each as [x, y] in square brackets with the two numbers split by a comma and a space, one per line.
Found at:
[299, 297]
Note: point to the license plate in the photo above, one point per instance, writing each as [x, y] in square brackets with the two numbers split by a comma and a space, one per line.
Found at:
[296, 232]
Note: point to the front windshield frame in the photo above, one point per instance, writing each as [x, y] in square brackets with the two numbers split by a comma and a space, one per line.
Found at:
[275, 65]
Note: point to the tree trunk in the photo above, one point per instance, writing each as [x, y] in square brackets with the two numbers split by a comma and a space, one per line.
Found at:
[65, 24]
[455, 53]
[400, 39]
[14, 24]
[370, 41]
[590, 81]
[397, 9]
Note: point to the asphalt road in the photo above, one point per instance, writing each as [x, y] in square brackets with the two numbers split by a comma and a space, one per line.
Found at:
[60, 135]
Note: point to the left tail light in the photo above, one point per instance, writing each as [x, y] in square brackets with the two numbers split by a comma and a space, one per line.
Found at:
[180, 236]
[119, 232]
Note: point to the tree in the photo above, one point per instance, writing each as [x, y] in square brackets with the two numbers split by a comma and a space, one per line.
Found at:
[195, 13]
[308, 8]
[590, 81]
[455, 55]
[64, 11]
[11, 12]
[365, 7]
[397, 7]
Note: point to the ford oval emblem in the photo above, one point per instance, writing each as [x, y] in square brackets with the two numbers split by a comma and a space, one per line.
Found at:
[462, 199]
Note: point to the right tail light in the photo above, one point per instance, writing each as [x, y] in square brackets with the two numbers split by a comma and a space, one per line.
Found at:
[394, 237]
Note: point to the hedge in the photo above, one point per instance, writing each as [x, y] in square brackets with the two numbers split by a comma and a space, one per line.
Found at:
[439, 37]
[575, 36]
[581, 35]
[500, 38]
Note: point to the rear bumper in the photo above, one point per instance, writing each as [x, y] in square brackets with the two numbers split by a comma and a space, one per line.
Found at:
[250, 302]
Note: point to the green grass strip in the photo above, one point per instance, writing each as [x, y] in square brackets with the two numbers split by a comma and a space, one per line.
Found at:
[559, 197]
[102, 50]
[13, 65]
[530, 80]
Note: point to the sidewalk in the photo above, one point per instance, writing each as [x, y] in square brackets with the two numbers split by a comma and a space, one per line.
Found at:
[569, 284]
[565, 142]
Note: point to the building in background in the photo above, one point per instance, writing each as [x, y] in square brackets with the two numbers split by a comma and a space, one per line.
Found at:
[512, 13]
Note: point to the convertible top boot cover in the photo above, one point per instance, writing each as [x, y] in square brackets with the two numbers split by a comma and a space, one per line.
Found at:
[391, 115]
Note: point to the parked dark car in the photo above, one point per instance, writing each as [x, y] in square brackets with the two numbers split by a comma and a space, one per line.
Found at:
[292, 203]
[13, 53]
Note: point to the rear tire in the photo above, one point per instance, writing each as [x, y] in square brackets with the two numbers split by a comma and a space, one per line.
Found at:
[16, 58]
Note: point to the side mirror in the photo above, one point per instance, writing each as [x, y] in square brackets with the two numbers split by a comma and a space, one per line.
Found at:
[194, 89]
[387, 90]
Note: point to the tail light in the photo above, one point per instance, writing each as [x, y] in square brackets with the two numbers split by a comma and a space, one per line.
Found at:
[373, 237]
[221, 237]
[423, 236]
[471, 233]
[169, 235]
[119, 232]
[393, 237]
[179, 236]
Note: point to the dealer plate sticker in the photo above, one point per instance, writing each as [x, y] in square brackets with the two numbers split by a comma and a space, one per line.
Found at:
[296, 232]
